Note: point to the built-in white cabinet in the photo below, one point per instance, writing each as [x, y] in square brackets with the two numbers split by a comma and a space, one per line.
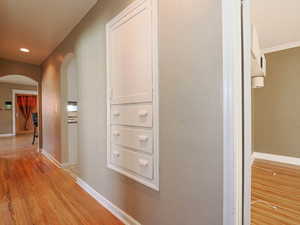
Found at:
[132, 93]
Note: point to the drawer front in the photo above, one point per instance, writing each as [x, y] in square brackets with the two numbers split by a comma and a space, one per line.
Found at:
[134, 115]
[136, 162]
[136, 138]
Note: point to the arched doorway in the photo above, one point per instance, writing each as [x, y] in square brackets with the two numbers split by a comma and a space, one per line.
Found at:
[69, 104]
[18, 103]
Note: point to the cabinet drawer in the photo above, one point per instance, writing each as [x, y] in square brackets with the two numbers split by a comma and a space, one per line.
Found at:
[134, 115]
[136, 162]
[136, 138]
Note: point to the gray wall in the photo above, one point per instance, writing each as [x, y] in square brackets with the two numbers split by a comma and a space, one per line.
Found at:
[277, 106]
[9, 67]
[190, 66]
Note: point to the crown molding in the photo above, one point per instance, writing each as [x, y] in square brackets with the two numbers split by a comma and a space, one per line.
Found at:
[282, 47]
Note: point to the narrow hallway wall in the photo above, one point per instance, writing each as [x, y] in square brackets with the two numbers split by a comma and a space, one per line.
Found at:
[190, 66]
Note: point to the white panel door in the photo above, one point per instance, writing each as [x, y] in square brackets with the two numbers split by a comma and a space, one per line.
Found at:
[130, 57]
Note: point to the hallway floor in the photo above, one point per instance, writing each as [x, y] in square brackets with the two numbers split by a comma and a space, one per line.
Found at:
[33, 191]
[275, 193]
[16, 143]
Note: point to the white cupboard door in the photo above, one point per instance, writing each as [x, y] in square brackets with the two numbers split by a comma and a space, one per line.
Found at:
[130, 47]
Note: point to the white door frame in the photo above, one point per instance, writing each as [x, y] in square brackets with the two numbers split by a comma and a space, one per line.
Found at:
[14, 92]
[236, 102]
[236, 111]
[247, 108]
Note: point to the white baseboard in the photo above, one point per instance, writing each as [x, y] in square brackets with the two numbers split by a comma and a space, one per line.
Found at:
[277, 158]
[68, 165]
[252, 159]
[117, 212]
[6, 135]
[51, 158]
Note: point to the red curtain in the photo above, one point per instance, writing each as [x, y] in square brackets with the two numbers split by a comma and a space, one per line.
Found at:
[26, 105]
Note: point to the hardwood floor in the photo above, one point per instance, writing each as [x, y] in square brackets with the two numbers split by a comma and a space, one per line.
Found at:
[33, 191]
[275, 194]
[16, 143]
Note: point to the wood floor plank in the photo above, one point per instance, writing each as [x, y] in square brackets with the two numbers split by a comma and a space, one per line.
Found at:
[33, 191]
[275, 194]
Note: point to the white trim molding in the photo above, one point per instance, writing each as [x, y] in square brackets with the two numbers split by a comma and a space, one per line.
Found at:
[232, 113]
[6, 135]
[51, 158]
[117, 212]
[252, 159]
[277, 158]
[282, 47]
[247, 110]
[14, 92]
[55, 162]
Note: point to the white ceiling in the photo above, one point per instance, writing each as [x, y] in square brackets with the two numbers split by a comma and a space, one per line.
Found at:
[39, 25]
[18, 79]
[277, 22]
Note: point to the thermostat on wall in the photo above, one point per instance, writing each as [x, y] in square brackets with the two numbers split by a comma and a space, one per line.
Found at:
[8, 105]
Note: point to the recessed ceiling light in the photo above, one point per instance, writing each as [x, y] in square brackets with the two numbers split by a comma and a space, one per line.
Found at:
[24, 50]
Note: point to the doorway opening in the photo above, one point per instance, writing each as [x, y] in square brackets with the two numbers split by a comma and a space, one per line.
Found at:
[24, 106]
[271, 49]
[19, 110]
[69, 106]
